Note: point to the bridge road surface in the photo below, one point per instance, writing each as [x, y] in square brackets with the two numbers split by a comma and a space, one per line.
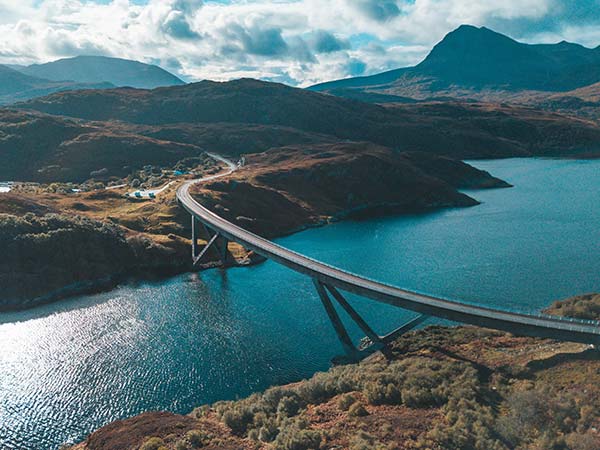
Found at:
[542, 326]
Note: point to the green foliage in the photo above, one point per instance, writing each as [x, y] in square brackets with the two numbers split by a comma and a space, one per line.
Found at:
[357, 410]
[475, 416]
[468, 426]
[345, 401]
[288, 406]
[364, 441]
[239, 418]
[295, 437]
[154, 443]
[379, 394]
[581, 307]
[540, 414]
[197, 438]
[43, 253]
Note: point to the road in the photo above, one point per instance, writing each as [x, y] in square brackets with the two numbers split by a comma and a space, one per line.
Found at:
[543, 326]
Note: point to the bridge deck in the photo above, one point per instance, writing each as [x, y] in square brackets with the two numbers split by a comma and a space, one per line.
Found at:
[587, 332]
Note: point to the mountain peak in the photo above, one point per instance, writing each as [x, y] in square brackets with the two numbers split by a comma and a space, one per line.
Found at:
[470, 37]
[94, 69]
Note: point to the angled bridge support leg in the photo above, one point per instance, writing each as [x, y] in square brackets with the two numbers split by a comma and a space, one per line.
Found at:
[335, 320]
[215, 241]
[373, 340]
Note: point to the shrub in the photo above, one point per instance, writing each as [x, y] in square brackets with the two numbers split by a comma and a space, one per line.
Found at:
[345, 401]
[357, 410]
[238, 418]
[536, 412]
[468, 426]
[272, 397]
[268, 432]
[154, 443]
[379, 394]
[288, 406]
[364, 441]
[182, 445]
[197, 438]
[293, 438]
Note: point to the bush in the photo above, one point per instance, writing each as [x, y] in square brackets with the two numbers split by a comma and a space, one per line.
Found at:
[288, 406]
[268, 432]
[345, 401]
[238, 419]
[197, 438]
[182, 445]
[293, 438]
[357, 410]
[536, 412]
[154, 443]
[378, 394]
[271, 398]
[364, 441]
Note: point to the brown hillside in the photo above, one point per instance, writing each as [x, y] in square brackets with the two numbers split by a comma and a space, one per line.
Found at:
[285, 189]
[463, 131]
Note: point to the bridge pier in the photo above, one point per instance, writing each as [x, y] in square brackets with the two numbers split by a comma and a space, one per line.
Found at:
[373, 341]
[216, 241]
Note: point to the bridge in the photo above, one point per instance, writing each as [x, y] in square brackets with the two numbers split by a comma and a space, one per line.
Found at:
[329, 281]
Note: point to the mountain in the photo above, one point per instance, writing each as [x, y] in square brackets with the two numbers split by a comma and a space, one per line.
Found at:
[16, 86]
[452, 129]
[472, 61]
[98, 69]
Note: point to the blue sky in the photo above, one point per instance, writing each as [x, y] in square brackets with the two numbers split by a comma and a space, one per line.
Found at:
[299, 42]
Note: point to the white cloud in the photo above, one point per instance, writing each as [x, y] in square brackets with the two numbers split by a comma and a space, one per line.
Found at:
[295, 41]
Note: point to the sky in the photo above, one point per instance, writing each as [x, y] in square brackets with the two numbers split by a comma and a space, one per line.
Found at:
[298, 42]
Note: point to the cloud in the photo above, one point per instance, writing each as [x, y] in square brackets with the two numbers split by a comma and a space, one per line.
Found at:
[380, 10]
[325, 42]
[177, 26]
[295, 41]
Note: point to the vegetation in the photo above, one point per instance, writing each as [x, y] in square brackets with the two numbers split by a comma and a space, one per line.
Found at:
[581, 307]
[44, 254]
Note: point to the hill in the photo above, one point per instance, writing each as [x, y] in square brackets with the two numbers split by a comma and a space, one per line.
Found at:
[99, 69]
[16, 86]
[458, 130]
[287, 189]
[478, 62]
[38, 147]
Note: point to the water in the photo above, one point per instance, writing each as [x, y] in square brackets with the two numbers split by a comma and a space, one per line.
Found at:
[70, 367]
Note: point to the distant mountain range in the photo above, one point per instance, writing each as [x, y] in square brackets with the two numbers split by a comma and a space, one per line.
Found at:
[19, 83]
[16, 86]
[195, 113]
[478, 63]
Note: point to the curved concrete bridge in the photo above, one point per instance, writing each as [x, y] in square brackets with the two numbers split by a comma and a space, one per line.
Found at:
[329, 279]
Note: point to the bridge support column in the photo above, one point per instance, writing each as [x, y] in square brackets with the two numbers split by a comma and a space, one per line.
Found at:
[224, 253]
[373, 341]
[195, 245]
[340, 330]
[213, 240]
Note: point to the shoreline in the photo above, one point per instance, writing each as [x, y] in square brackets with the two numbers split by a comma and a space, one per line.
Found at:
[111, 282]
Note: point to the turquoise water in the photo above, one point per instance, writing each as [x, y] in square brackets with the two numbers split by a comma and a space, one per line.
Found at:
[70, 367]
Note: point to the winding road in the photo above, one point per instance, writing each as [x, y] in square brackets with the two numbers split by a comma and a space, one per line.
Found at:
[543, 326]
